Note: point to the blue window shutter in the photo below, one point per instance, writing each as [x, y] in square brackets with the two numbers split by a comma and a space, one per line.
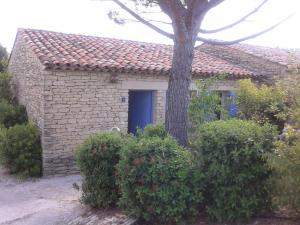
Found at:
[232, 107]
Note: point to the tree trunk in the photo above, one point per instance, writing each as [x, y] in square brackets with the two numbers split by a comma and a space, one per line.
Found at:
[178, 90]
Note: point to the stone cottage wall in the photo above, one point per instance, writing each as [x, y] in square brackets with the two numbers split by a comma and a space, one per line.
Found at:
[28, 80]
[78, 104]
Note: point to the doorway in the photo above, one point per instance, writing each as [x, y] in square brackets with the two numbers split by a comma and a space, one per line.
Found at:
[140, 112]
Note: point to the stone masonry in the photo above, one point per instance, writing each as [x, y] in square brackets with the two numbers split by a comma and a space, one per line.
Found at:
[78, 104]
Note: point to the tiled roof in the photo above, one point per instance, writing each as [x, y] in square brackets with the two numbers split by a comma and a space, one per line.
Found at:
[78, 52]
[278, 55]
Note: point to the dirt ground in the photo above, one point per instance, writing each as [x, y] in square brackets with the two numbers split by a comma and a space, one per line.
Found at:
[53, 201]
[49, 201]
[259, 221]
[38, 202]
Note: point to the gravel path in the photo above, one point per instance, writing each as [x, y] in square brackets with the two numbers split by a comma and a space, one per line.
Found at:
[49, 201]
[44, 201]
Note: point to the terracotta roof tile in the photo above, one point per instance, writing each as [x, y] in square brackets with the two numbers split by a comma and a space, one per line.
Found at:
[278, 55]
[78, 52]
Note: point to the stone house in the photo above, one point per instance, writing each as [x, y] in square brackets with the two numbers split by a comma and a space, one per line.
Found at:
[75, 85]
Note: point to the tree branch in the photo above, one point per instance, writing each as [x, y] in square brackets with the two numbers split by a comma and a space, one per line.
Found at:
[153, 21]
[159, 21]
[141, 19]
[203, 31]
[214, 42]
[214, 3]
[208, 41]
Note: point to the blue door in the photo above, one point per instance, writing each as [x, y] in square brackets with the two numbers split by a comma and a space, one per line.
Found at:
[140, 110]
[232, 107]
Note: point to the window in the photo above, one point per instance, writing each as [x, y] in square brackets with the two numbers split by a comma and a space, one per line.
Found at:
[228, 100]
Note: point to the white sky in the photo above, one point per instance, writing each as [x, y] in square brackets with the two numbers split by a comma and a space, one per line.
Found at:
[90, 17]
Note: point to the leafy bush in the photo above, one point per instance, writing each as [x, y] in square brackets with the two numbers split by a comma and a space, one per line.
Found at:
[11, 115]
[20, 149]
[286, 160]
[97, 158]
[292, 86]
[157, 130]
[231, 155]
[3, 59]
[5, 89]
[157, 180]
[286, 179]
[264, 104]
[2, 143]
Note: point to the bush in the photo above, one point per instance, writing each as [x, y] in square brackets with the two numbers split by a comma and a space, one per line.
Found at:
[2, 143]
[264, 104]
[286, 179]
[11, 115]
[151, 130]
[3, 59]
[96, 159]
[20, 149]
[231, 155]
[5, 89]
[157, 181]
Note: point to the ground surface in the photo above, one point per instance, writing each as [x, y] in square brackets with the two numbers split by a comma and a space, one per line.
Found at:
[48, 201]
[37, 202]
[53, 201]
[261, 221]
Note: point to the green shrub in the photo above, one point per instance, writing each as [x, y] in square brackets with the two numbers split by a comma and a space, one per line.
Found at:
[20, 149]
[264, 104]
[3, 131]
[286, 178]
[5, 89]
[11, 115]
[157, 130]
[3, 59]
[231, 155]
[97, 158]
[157, 180]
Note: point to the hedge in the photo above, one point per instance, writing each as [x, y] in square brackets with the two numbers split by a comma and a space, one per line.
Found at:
[97, 158]
[231, 154]
[157, 180]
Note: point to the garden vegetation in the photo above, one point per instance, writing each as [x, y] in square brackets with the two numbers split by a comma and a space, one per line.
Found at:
[230, 154]
[279, 105]
[97, 158]
[158, 181]
[232, 170]
[20, 145]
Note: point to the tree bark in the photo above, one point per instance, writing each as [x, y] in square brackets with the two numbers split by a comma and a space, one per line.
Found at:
[178, 90]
